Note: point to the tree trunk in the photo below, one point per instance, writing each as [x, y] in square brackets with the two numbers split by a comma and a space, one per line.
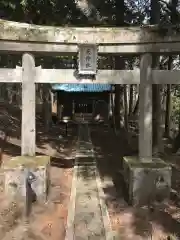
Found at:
[136, 108]
[174, 20]
[174, 15]
[118, 107]
[157, 127]
[156, 89]
[119, 63]
[126, 107]
[131, 99]
[168, 111]
[47, 106]
[168, 102]
[173, 4]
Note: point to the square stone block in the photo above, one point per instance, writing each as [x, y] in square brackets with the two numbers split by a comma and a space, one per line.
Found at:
[16, 172]
[147, 180]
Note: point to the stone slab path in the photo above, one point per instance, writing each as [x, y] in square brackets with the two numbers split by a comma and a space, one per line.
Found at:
[87, 214]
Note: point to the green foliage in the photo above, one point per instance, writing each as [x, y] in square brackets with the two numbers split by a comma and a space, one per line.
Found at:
[175, 114]
[73, 12]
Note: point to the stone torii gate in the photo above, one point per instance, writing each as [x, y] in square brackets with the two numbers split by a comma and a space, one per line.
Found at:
[30, 40]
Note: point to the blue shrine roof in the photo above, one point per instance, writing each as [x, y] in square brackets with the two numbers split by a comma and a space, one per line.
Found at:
[82, 87]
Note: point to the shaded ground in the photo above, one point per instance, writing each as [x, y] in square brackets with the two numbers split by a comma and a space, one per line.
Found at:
[51, 143]
[49, 221]
[131, 223]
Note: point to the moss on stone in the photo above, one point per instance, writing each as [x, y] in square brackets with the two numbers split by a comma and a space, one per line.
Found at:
[137, 162]
[28, 32]
[27, 162]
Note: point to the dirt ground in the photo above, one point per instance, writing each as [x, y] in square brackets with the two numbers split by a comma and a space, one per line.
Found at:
[156, 223]
[48, 221]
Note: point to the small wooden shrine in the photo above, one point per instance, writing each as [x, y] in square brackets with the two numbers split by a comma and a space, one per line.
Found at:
[90, 100]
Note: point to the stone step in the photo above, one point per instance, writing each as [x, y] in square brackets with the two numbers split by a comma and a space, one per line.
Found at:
[89, 212]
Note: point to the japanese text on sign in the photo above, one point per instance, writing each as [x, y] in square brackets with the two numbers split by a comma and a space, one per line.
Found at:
[87, 59]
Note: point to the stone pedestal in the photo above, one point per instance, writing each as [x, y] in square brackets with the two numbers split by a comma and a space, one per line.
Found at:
[16, 172]
[146, 180]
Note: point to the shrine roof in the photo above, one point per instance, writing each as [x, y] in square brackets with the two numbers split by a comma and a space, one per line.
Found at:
[82, 87]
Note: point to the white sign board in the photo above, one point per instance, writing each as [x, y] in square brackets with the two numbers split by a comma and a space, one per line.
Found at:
[87, 59]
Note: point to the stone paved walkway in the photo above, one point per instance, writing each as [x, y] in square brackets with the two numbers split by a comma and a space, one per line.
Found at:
[87, 214]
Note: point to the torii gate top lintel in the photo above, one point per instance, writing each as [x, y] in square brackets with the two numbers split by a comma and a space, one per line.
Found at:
[111, 40]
